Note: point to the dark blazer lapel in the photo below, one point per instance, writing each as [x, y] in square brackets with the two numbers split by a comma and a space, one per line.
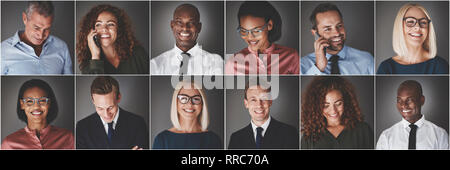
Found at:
[249, 137]
[100, 137]
[119, 134]
[271, 131]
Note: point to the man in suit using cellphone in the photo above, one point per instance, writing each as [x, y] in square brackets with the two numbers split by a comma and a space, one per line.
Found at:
[110, 127]
[263, 132]
[331, 56]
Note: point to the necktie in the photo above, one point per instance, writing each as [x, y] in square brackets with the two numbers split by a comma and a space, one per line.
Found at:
[259, 137]
[184, 63]
[110, 131]
[412, 136]
[334, 64]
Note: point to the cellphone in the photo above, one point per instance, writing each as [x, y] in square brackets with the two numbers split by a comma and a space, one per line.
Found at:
[316, 37]
[96, 41]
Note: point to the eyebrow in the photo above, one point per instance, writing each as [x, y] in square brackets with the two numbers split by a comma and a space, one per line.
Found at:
[106, 21]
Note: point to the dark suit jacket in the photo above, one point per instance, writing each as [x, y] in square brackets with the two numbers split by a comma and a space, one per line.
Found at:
[131, 130]
[277, 136]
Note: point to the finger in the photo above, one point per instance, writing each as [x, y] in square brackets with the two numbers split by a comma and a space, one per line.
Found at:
[134, 148]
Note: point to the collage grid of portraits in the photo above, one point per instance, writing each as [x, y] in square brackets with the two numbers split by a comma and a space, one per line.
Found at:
[150, 95]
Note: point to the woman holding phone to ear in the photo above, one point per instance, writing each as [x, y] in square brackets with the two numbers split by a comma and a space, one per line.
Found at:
[106, 44]
[414, 42]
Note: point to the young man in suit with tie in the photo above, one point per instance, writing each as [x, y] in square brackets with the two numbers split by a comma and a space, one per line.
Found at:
[111, 127]
[263, 132]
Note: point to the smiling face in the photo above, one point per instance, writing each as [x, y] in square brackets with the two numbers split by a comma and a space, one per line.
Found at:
[409, 104]
[106, 105]
[258, 104]
[37, 28]
[333, 108]
[106, 26]
[331, 26]
[257, 41]
[189, 111]
[185, 27]
[415, 36]
[36, 111]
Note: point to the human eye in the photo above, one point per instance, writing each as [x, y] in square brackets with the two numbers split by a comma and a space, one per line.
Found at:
[339, 103]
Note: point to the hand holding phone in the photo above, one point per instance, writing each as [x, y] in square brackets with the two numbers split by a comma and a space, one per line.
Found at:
[320, 47]
[94, 44]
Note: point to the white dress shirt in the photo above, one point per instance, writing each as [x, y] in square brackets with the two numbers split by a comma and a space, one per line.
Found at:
[105, 124]
[201, 62]
[265, 125]
[428, 136]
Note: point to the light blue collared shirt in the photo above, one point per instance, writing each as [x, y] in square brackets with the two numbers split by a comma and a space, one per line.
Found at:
[17, 57]
[351, 61]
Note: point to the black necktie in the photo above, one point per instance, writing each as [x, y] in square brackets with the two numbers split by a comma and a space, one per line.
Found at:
[259, 137]
[110, 131]
[184, 63]
[412, 136]
[334, 64]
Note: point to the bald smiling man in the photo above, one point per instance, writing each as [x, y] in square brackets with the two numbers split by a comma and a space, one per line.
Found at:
[186, 57]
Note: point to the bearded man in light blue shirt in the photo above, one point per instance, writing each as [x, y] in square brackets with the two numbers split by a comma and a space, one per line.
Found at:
[331, 56]
[34, 50]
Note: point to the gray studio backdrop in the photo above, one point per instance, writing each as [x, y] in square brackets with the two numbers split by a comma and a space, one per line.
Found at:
[358, 22]
[364, 88]
[285, 107]
[136, 11]
[161, 100]
[134, 91]
[435, 109]
[211, 34]
[62, 87]
[386, 13]
[289, 12]
[62, 26]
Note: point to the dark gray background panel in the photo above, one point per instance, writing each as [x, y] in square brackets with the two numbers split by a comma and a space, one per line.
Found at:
[386, 13]
[289, 12]
[285, 107]
[211, 17]
[358, 22]
[62, 26]
[161, 100]
[134, 91]
[137, 11]
[62, 86]
[435, 109]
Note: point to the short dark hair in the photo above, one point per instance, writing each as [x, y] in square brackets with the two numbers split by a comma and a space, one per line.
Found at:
[262, 9]
[44, 8]
[197, 13]
[52, 112]
[411, 84]
[105, 85]
[259, 82]
[324, 7]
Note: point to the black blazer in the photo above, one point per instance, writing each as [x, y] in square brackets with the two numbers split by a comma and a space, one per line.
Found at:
[277, 136]
[131, 130]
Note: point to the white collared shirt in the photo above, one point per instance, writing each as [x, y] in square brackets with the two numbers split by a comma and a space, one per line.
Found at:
[105, 124]
[201, 62]
[265, 125]
[428, 136]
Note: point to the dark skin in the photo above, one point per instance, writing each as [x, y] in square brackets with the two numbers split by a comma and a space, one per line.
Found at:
[186, 26]
[409, 103]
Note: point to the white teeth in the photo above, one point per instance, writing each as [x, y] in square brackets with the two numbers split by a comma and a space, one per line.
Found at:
[184, 34]
[415, 35]
[253, 42]
[36, 113]
[336, 40]
[188, 110]
[258, 111]
[105, 36]
[406, 111]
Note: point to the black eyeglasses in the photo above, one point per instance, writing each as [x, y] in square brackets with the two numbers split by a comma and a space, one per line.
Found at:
[195, 100]
[255, 31]
[411, 22]
[43, 101]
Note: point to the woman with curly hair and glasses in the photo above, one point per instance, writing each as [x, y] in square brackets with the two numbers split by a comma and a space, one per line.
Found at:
[331, 117]
[106, 44]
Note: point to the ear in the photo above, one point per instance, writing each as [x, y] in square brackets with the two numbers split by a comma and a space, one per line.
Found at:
[313, 32]
[22, 106]
[270, 25]
[24, 18]
[119, 97]
[422, 100]
[172, 24]
[246, 103]
[270, 103]
[199, 27]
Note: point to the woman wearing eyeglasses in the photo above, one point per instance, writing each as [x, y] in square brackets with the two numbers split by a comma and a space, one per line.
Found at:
[414, 41]
[190, 119]
[37, 106]
[260, 27]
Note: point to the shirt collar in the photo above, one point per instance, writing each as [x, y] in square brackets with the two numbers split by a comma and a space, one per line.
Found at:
[419, 122]
[266, 51]
[342, 54]
[16, 38]
[193, 51]
[264, 125]
[114, 120]
[42, 133]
